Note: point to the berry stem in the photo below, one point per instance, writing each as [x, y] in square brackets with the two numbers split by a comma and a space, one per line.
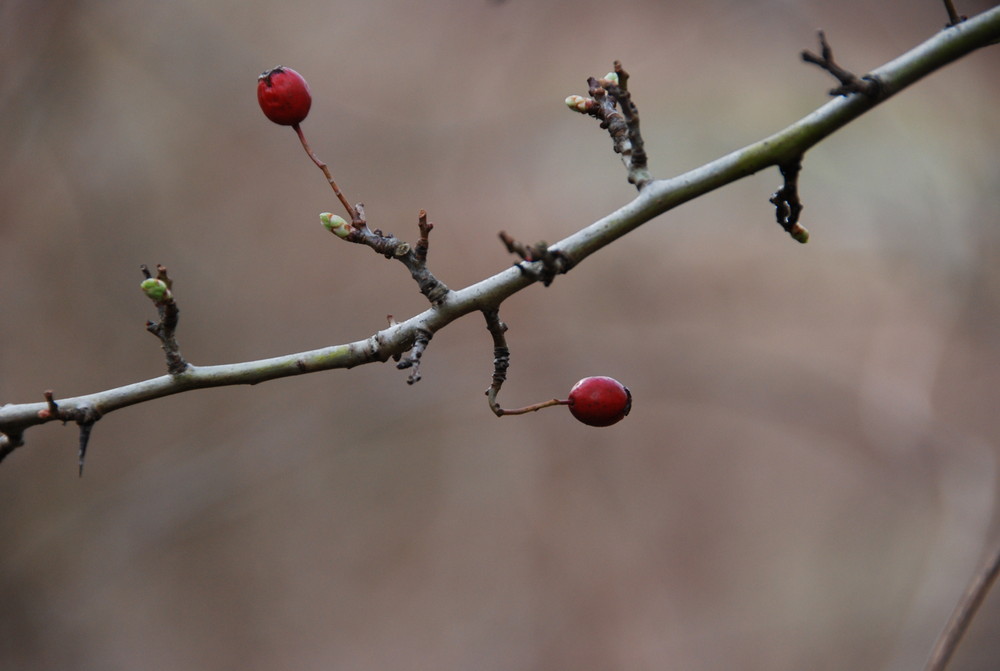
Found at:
[351, 210]
[500, 412]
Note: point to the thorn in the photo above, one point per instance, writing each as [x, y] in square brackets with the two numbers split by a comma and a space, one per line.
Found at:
[85, 428]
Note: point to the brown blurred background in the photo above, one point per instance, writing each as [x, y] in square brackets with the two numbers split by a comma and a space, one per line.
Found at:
[809, 474]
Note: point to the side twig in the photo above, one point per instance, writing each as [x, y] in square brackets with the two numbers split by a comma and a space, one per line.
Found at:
[954, 18]
[849, 82]
[412, 360]
[391, 247]
[550, 262]
[786, 201]
[611, 102]
[501, 358]
[159, 290]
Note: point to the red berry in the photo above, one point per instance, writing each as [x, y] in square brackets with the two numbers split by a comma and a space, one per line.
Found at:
[283, 96]
[599, 401]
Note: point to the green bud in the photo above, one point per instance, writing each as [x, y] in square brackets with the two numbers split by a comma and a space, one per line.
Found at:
[612, 77]
[155, 289]
[799, 233]
[336, 224]
[579, 103]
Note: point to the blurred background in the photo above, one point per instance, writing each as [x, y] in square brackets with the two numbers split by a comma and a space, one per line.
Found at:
[808, 478]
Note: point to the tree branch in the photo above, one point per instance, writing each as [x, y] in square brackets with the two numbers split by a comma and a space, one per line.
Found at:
[655, 198]
[966, 609]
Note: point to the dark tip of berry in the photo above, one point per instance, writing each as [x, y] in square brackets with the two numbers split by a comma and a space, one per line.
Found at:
[267, 74]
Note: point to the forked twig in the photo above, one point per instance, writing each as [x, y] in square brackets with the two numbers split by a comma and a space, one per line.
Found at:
[849, 82]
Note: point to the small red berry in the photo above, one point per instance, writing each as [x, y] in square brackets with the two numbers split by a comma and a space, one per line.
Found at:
[599, 401]
[283, 96]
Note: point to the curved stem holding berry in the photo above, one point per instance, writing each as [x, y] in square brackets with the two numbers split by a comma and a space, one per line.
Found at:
[500, 412]
[356, 218]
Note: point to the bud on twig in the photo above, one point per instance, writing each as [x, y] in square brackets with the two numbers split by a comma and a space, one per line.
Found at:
[580, 104]
[336, 224]
[155, 289]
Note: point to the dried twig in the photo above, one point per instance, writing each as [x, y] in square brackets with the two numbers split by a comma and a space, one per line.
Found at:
[412, 360]
[868, 85]
[552, 262]
[786, 201]
[501, 358]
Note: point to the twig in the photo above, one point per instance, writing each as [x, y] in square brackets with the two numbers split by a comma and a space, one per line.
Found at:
[611, 102]
[412, 360]
[352, 211]
[552, 261]
[423, 243]
[501, 358]
[415, 261]
[391, 247]
[159, 290]
[638, 161]
[849, 82]
[786, 201]
[501, 361]
[954, 18]
[966, 609]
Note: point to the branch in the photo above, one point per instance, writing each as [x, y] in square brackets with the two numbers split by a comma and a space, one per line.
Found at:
[655, 197]
[966, 609]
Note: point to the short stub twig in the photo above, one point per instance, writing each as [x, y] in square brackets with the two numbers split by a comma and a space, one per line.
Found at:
[159, 289]
[786, 201]
[849, 82]
[412, 358]
[552, 261]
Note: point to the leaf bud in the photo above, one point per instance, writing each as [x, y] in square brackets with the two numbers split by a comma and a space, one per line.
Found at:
[799, 233]
[336, 224]
[580, 104]
[156, 289]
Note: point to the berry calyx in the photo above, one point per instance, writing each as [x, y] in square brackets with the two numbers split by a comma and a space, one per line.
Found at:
[599, 401]
[284, 96]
